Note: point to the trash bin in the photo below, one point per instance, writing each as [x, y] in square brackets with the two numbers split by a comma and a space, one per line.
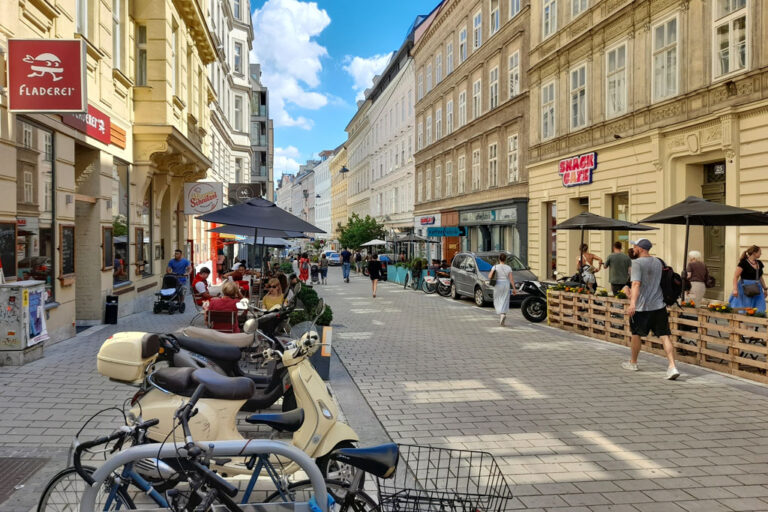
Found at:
[110, 310]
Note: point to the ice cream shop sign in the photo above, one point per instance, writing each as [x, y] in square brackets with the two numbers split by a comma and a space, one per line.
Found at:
[577, 170]
[46, 75]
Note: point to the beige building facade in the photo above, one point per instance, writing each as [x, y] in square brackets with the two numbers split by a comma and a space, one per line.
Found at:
[470, 60]
[358, 146]
[338, 191]
[97, 216]
[637, 105]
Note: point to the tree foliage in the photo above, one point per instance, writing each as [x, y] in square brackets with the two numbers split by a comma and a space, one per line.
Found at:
[359, 231]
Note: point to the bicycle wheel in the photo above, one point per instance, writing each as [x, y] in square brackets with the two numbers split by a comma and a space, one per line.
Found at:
[63, 492]
[303, 491]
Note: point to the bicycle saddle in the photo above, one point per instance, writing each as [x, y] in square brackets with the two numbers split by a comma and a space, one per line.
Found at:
[380, 460]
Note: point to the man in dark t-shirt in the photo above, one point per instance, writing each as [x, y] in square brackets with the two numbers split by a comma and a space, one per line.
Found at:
[346, 258]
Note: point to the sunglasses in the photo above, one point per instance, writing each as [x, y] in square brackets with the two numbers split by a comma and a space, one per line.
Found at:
[271, 287]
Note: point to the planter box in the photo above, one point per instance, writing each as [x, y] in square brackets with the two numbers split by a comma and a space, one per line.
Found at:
[731, 343]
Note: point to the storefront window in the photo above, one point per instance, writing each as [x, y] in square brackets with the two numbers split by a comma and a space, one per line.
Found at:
[120, 219]
[34, 206]
[620, 211]
[146, 239]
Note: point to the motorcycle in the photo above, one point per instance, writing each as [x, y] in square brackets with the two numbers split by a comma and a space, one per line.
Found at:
[534, 306]
[163, 391]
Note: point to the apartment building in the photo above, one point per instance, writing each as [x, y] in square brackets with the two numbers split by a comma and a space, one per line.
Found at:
[637, 105]
[283, 192]
[262, 136]
[339, 172]
[470, 60]
[323, 193]
[358, 145]
[92, 206]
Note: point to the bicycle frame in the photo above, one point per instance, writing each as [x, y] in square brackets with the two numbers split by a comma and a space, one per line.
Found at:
[130, 476]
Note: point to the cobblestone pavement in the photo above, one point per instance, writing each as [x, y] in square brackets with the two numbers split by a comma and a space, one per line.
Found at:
[571, 429]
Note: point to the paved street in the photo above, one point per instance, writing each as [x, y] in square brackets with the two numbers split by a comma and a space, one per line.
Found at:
[572, 430]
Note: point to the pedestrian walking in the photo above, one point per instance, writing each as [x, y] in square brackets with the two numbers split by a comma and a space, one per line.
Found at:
[324, 269]
[748, 283]
[304, 268]
[346, 257]
[618, 264]
[647, 311]
[358, 262]
[586, 266]
[505, 281]
[374, 271]
[697, 274]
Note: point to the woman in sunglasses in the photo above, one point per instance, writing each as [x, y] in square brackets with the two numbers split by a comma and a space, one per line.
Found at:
[274, 295]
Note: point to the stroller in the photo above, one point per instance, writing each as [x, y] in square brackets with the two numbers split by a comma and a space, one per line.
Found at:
[170, 297]
[314, 273]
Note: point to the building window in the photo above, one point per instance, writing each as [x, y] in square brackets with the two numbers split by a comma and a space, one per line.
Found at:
[238, 57]
[579, 97]
[616, 81]
[175, 58]
[141, 55]
[449, 116]
[238, 170]
[514, 74]
[548, 111]
[665, 59]
[578, 7]
[448, 58]
[462, 108]
[428, 185]
[495, 17]
[438, 181]
[514, 8]
[438, 124]
[438, 68]
[461, 177]
[429, 130]
[238, 113]
[420, 137]
[237, 9]
[549, 17]
[448, 178]
[420, 88]
[462, 45]
[29, 188]
[476, 170]
[476, 98]
[429, 77]
[477, 30]
[26, 133]
[117, 34]
[493, 89]
[419, 186]
[493, 165]
[730, 36]
[513, 159]
[47, 147]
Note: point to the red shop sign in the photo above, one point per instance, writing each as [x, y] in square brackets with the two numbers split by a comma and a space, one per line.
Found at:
[577, 170]
[427, 220]
[46, 75]
[94, 124]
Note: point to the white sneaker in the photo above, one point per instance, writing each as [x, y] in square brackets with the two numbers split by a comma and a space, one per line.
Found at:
[501, 319]
[629, 366]
[672, 373]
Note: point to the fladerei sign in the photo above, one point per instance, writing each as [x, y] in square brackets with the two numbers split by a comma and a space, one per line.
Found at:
[46, 75]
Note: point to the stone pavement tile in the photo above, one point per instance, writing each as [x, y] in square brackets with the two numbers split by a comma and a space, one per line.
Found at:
[710, 493]
[627, 497]
[600, 486]
[660, 507]
[613, 508]
[745, 504]
[663, 495]
[703, 506]
[749, 491]
[586, 498]
[547, 501]
[559, 488]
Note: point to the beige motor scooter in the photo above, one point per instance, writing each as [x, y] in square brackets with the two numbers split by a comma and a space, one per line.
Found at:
[320, 433]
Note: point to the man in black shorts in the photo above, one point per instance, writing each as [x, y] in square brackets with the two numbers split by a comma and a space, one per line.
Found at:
[647, 311]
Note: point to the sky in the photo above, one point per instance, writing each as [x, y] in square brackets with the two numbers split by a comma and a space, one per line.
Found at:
[317, 58]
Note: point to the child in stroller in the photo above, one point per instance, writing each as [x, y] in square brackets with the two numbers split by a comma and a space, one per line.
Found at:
[171, 295]
[314, 272]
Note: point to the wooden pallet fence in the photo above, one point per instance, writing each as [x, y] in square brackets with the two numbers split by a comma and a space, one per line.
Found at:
[732, 343]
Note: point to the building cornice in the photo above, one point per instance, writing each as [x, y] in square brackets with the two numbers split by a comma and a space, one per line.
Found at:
[194, 19]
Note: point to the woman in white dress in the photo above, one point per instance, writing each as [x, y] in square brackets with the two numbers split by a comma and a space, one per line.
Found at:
[504, 282]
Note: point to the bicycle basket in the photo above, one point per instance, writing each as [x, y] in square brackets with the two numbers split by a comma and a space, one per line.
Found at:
[442, 479]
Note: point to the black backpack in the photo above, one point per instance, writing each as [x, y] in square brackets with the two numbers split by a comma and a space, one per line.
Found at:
[671, 284]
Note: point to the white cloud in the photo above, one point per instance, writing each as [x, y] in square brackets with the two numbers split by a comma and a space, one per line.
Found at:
[362, 70]
[290, 60]
[286, 160]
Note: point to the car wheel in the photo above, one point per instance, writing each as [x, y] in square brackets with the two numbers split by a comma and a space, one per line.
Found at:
[479, 299]
[454, 292]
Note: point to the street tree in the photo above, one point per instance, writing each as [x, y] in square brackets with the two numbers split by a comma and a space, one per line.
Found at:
[359, 230]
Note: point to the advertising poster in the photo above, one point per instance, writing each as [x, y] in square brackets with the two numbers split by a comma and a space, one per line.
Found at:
[37, 330]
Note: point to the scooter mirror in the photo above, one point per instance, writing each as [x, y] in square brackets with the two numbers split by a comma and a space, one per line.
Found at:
[250, 326]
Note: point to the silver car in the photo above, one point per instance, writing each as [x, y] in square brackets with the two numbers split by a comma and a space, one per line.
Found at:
[469, 273]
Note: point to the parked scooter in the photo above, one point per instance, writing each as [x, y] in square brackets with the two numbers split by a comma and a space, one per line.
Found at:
[534, 306]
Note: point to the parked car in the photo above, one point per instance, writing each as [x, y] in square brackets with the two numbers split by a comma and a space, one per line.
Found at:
[469, 272]
[334, 258]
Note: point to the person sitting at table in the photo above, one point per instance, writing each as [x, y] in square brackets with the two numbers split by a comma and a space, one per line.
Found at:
[238, 275]
[200, 286]
[227, 302]
[274, 295]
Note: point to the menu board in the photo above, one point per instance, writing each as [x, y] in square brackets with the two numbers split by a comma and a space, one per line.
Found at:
[8, 248]
[67, 249]
[109, 248]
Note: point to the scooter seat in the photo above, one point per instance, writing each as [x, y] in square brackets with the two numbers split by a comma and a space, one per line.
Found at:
[222, 387]
[176, 380]
[216, 351]
[282, 422]
[235, 339]
[378, 460]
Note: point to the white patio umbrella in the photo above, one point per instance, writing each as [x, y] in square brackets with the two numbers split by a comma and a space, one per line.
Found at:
[373, 242]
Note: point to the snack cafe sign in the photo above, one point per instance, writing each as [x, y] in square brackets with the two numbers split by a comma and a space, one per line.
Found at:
[203, 197]
[577, 170]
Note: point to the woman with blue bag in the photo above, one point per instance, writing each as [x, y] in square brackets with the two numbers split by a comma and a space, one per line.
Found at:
[748, 284]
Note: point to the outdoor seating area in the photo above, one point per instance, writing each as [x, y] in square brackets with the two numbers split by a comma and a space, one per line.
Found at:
[715, 337]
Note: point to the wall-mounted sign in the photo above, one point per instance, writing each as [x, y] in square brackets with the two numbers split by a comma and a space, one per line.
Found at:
[427, 221]
[242, 192]
[577, 170]
[46, 75]
[447, 231]
[94, 124]
[203, 197]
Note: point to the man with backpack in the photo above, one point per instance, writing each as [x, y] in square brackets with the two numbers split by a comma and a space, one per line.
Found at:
[647, 306]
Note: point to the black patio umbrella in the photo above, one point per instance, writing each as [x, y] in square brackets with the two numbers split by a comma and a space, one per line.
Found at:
[243, 231]
[591, 221]
[697, 211]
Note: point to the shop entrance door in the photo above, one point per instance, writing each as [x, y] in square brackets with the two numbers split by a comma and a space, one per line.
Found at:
[713, 190]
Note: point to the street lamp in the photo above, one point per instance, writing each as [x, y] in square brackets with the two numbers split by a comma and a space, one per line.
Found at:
[343, 170]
